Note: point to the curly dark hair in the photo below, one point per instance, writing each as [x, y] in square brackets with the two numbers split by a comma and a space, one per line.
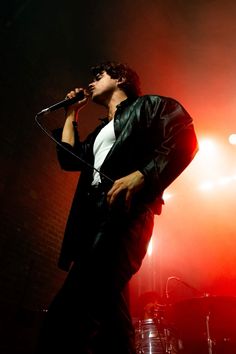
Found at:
[131, 84]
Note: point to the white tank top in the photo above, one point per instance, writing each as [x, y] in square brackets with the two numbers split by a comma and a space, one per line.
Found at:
[102, 145]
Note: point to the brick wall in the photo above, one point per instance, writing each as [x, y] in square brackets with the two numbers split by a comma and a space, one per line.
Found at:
[35, 194]
[36, 197]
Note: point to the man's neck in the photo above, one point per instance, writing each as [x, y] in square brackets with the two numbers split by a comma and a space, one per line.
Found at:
[115, 100]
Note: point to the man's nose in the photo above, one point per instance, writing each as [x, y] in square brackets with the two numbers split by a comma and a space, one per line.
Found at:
[91, 85]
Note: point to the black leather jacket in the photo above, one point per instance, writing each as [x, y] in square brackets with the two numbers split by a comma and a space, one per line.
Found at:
[154, 134]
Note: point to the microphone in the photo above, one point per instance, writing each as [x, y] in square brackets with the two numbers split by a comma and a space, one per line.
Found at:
[63, 104]
[181, 281]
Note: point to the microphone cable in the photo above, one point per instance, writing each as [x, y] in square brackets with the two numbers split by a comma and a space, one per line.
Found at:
[69, 151]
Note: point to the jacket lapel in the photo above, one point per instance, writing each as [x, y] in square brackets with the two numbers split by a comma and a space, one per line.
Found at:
[121, 124]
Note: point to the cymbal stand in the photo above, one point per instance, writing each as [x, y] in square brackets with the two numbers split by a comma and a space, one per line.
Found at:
[209, 340]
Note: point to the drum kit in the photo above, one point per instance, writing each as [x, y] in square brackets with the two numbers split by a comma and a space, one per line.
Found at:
[199, 325]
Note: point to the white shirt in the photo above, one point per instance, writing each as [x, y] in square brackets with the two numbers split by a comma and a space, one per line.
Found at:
[102, 145]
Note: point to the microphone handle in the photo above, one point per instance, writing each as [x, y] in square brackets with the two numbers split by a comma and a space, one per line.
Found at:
[63, 104]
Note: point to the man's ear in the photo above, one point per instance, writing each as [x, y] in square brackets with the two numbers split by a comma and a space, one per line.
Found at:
[121, 80]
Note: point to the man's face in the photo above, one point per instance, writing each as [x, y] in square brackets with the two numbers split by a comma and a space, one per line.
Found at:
[102, 87]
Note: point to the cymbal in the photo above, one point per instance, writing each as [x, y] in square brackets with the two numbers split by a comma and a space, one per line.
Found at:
[204, 304]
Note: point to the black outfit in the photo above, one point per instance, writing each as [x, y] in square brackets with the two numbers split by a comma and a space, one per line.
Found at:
[106, 245]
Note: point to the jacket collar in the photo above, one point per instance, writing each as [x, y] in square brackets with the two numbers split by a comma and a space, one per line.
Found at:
[121, 106]
[125, 103]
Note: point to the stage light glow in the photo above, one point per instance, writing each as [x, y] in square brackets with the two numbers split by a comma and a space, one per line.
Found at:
[167, 196]
[232, 139]
[207, 159]
[206, 186]
[150, 248]
[207, 146]
[222, 181]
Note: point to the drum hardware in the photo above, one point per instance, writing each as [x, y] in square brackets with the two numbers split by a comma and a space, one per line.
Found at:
[172, 343]
[205, 324]
[152, 335]
[209, 340]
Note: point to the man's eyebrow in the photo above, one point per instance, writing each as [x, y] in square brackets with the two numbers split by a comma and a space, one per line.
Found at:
[98, 75]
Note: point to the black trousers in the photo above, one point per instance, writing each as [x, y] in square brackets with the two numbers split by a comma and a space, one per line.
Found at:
[90, 313]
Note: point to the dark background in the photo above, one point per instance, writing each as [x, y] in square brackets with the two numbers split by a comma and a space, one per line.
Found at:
[183, 49]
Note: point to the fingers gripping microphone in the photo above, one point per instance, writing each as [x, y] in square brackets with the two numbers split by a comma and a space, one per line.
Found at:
[63, 104]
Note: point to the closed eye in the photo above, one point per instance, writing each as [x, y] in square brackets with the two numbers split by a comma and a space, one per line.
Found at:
[98, 76]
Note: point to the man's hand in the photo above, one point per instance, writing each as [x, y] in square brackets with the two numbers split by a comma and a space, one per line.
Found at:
[72, 116]
[129, 185]
[72, 110]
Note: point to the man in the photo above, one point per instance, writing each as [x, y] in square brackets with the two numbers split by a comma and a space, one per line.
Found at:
[142, 145]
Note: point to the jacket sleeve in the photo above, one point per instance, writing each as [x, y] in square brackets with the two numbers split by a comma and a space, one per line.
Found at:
[174, 144]
[74, 158]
